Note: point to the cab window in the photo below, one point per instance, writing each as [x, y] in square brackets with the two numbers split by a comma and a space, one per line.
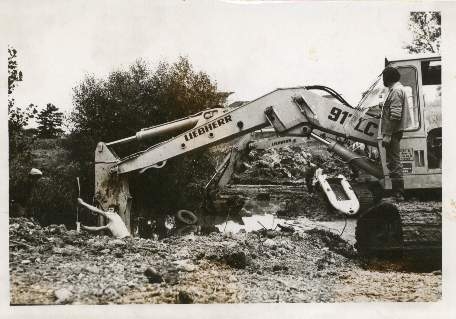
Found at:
[432, 83]
[411, 113]
[431, 72]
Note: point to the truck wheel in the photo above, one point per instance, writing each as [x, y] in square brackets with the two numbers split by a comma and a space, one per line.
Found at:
[186, 217]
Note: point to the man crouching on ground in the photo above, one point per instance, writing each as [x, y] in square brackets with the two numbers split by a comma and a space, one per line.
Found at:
[115, 223]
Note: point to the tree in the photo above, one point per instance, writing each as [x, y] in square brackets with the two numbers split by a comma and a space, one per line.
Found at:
[50, 122]
[14, 75]
[17, 117]
[426, 32]
[128, 100]
[20, 158]
[51, 198]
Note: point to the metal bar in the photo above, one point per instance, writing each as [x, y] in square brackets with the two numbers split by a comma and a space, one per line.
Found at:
[320, 139]
[122, 141]
[219, 168]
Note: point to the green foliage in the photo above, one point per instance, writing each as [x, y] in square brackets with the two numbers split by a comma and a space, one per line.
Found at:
[50, 199]
[50, 122]
[14, 75]
[19, 141]
[127, 101]
[17, 118]
[139, 97]
[53, 198]
[426, 30]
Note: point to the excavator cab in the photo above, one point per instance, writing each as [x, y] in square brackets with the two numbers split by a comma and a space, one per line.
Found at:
[421, 144]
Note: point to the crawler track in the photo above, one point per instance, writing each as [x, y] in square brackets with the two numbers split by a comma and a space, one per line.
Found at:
[410, 230]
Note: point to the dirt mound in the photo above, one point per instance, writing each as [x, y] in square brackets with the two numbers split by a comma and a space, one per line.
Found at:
[273, 166]
[311, 205]
[286, 165]
[331, 164]
[333, 242]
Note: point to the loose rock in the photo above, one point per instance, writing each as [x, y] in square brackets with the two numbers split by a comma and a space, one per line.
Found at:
[152, 275]
[184, 297]
[236, 259]
[63, 296]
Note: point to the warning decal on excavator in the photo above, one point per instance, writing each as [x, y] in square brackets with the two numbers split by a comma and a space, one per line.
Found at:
[281, 142]
[407, 168]
[406, 154]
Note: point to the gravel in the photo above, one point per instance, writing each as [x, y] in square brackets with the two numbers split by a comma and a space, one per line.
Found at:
[51, 265]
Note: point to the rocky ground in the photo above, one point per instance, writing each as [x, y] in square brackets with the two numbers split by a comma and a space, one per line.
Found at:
[52, 265]
[309, 260]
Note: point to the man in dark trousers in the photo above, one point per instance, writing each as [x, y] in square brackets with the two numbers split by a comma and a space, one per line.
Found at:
[392, 126]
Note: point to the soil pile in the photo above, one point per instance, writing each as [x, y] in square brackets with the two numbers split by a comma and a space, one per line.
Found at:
[273, 166]
[287, 165]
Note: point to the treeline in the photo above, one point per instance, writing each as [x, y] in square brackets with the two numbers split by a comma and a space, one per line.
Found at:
[104, 109]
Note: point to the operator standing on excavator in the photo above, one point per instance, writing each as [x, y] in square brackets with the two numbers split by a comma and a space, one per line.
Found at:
[392, 127]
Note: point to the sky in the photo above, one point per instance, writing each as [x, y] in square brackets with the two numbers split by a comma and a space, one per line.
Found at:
[249, 49]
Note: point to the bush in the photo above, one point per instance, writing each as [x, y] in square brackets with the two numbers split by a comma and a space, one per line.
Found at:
[128, 100]
[53, 199]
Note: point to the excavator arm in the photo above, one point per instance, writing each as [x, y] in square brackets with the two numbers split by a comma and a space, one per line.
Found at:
[291, 111]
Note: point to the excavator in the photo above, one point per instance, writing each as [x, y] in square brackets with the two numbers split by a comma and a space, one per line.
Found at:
[305, 112]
